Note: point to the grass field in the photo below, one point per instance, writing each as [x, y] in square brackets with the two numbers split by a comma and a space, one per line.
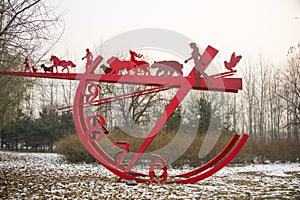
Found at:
[49, 176]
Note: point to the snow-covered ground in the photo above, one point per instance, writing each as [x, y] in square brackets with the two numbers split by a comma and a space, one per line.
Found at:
[48, 176]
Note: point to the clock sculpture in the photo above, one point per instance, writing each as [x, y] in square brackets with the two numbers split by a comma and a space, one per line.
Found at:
[91, 127]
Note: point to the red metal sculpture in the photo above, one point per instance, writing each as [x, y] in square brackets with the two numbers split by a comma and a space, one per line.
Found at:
[117, 65]
[233, 62]
[91, 127]
[63, 63]
[167, 68]
[88, 57]
[143, 65]
[47, 69]
[27, 66]
[34, 69]
[199, 64]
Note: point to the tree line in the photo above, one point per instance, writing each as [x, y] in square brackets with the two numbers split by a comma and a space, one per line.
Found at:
[40, 134]
[26, 31]
[267, 108]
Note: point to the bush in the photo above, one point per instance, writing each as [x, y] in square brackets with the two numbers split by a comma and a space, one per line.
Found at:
[254, 151]
[72, 148]
[260, 151]
[190, 157]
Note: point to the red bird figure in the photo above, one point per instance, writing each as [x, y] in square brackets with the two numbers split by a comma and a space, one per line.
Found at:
[233, 61]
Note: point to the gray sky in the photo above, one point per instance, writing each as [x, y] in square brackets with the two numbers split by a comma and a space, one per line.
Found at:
[248, 27]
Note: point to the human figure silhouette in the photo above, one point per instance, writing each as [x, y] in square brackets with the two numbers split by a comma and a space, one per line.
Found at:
[27, 66]
[89, 58]
[197, 57]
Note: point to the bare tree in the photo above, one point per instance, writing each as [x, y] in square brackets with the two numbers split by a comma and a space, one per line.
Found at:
[249, 97]
[28, 28]
[136, 110]
[290, 92]
[68, 92]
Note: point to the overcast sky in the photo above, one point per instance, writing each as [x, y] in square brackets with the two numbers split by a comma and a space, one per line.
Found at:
[248, 27]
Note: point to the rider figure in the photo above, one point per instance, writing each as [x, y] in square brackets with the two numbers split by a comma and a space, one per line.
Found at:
[89, 58]
[198, 63]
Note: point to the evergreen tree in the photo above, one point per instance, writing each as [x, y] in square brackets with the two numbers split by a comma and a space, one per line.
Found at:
[174, 121]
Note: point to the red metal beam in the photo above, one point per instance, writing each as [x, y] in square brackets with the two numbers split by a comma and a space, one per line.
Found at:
[218, 84]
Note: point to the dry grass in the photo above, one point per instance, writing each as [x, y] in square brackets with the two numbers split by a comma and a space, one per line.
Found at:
[259, 151]
[73, 149]
[253, 151]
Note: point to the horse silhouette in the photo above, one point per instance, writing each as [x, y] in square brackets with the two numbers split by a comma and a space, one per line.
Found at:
[62, 63]
[117, 65]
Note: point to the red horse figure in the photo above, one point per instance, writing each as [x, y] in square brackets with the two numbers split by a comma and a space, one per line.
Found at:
[62, 63]
[117, 65]
[143, 65]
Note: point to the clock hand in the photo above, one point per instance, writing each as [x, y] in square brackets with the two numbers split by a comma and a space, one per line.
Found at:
[116, 98]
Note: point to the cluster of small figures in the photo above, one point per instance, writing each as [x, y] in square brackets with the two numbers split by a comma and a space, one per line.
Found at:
[116, 65]
[56, 63]
[162, 67]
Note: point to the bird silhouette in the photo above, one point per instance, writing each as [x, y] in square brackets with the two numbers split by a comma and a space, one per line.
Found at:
[233, 62]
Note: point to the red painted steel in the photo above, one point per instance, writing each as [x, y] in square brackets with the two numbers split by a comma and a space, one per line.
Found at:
[91, 128]
[219, 166]
[119, 97]
[213, 161]
[181, 93]
[218, 84]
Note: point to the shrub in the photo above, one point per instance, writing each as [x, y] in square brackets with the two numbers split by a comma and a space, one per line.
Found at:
[254, 151]
[72, 148]
[189, 157]
[277, 150]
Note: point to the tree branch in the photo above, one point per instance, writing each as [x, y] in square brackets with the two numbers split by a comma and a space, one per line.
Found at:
[15, 16]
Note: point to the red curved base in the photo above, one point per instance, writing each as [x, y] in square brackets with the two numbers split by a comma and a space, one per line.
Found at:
[85, 98]
[220, 165]
[216, 159]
